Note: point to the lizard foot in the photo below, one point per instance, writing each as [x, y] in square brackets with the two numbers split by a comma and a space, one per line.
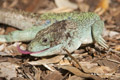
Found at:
[102, 42]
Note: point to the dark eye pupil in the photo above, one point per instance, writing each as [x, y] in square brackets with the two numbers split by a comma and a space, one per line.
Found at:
[44, 40]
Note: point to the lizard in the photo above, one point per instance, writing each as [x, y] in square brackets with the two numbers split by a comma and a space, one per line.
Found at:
[50, 33]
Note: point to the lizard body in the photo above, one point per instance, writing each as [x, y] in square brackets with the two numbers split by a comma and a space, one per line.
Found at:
[52, 32]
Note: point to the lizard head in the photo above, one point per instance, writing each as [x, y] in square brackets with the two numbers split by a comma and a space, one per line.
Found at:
[49, 37]
[53, 39]
[42, 41]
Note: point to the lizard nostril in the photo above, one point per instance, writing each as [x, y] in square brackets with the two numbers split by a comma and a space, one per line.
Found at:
[29, 47]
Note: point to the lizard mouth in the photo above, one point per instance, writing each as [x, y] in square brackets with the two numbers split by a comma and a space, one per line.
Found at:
[28, 52]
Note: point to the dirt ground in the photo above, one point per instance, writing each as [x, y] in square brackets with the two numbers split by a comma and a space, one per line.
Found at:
[88, 62]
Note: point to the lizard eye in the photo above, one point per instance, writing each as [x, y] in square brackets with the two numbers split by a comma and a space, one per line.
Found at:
[45, 40]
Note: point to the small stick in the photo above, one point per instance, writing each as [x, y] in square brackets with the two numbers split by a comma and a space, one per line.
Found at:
[72, 58]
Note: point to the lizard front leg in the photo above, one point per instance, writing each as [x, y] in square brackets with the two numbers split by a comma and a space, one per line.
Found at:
[97, 29]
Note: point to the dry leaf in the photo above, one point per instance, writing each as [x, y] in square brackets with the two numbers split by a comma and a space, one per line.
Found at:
[102, 7]
[55, 59]
[12, 49]
[65, 3]
[117, 47]
[83, 7]
[110, 33]
[102, 71]
[79, 73]
[54, 76]
[49, 67]
[63, 6]
[2, 30]
[60, 10]
[65, 62]
[6, 69]
[37, 73]
[75, 78]
[3, 46]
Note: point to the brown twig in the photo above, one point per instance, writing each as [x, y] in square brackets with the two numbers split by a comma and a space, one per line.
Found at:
[72, 58]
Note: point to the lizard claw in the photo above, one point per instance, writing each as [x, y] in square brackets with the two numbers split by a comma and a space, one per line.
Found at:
[102, 42]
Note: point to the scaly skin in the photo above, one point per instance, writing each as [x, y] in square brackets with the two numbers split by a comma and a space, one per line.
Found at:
[52, 32]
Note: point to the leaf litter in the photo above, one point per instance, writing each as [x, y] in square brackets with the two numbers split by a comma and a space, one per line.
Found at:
[94, 63]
